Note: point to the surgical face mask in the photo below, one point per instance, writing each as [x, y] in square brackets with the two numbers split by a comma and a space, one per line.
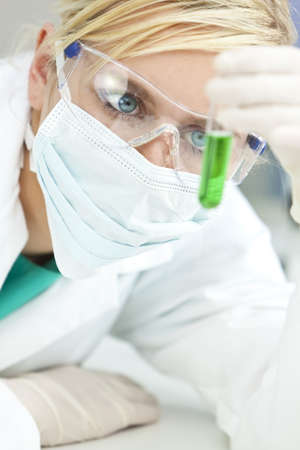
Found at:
[106, 201]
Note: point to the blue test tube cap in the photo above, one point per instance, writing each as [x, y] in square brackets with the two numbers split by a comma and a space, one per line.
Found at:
[256, 143]
[73, 50]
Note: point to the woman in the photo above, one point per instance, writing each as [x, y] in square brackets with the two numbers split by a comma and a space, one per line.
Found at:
[101, 172]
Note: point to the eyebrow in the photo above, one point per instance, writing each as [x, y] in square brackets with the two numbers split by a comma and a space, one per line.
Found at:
[141, 91]
[134, 85]
[196, 123]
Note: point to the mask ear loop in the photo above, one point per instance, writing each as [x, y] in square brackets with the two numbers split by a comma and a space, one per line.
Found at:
[29, 139]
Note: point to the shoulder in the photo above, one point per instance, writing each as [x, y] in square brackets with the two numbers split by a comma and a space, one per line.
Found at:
[15, 66]
[14, 110]
[14, 105]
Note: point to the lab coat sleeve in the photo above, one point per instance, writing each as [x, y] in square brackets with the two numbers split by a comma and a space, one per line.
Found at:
[18, 430]
[220, 317]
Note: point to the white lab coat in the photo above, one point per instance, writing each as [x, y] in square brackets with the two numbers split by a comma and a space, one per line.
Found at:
[210, 309]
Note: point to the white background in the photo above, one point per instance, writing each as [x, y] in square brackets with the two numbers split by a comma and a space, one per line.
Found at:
[15, 14]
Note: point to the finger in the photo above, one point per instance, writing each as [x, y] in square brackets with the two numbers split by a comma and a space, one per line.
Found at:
[118, 376]
[281, 59]
[295, 210]
[255, 89]
[145, 413]
[130, 391]
[148, 399]
[259, 119]
[125, 379]
[124, 386]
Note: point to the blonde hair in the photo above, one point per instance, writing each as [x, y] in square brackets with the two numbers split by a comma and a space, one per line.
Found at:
[129, 28]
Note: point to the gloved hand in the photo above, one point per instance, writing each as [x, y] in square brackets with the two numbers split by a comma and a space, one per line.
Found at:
[71, 404]
[258, 90]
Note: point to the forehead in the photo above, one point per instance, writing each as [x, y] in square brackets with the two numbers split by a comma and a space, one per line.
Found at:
[181, 74]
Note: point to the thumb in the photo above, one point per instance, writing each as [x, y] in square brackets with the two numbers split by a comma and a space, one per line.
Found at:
[295, 210]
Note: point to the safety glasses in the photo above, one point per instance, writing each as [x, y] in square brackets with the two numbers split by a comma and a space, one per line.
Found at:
[165, 132]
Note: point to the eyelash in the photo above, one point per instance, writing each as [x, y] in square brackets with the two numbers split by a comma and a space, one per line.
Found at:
[113, 111]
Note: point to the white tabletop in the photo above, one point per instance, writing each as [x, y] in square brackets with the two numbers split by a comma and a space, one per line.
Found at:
[177, 429]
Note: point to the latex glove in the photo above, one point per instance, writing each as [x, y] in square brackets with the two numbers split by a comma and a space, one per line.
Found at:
[71, 404]
[259, 88]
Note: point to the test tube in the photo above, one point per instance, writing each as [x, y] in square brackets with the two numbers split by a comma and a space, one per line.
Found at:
[217, 153]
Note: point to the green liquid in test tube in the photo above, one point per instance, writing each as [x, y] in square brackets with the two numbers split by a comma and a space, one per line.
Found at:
[218, 146]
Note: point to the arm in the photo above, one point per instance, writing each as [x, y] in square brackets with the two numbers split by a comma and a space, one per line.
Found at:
[214, 317]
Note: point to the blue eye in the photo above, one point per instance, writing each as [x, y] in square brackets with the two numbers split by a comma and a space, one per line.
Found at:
[196, 138]
[127, 104]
